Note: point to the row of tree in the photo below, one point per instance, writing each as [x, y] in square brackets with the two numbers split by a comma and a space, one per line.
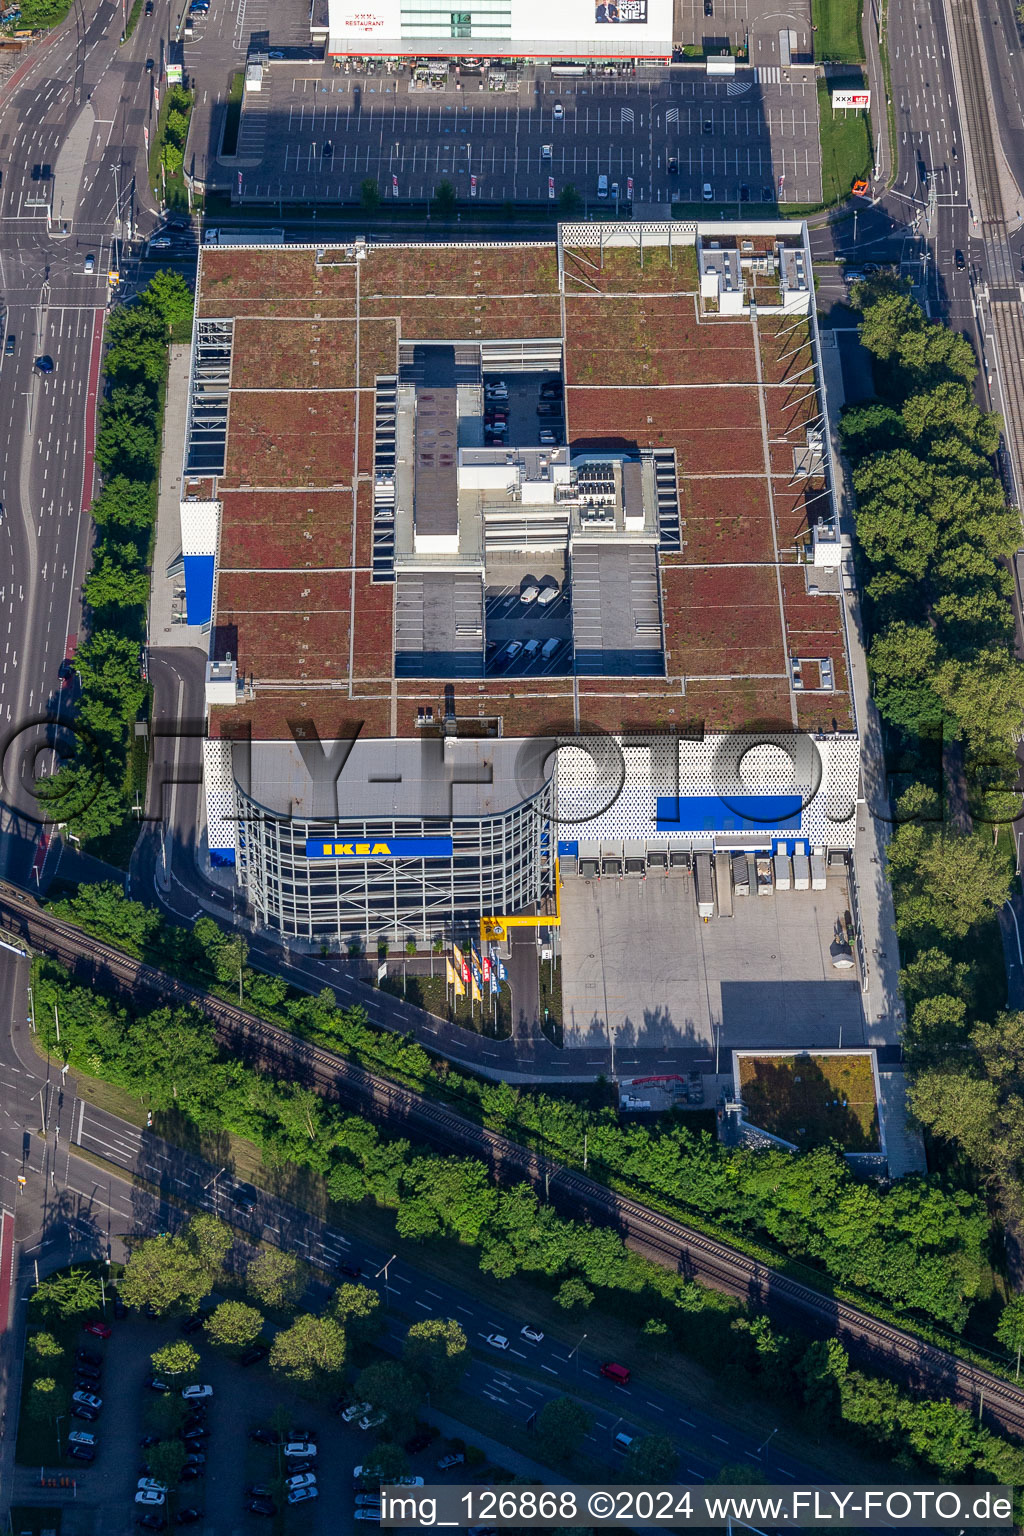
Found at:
[92, 790]
[919, 1246]
[935, 530]
[445, 1198]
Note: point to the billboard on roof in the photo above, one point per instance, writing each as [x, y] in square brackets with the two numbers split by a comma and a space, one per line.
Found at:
[583, 21]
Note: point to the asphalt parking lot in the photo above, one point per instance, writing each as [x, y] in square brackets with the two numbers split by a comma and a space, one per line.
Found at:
[636, 955]
[315, 133]
[243, 1398]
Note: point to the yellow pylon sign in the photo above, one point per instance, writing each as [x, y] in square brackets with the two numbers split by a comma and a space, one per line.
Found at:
[497, 927]
[490, 928]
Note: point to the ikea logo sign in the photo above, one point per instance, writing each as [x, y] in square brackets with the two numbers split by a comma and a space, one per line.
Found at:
[393, 848]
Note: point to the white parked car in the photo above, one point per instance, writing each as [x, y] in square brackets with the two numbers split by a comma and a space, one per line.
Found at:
[194, 1393]
[301, 1448]
[529, 594]
[150, 1496]
[708, 194]
[372, 1420]
[87, 1399]
[355, 1412]
[497, 1341]
[513, 648]
[301, 1480]
[150, 1485]
[557, 110]
[300, 1495]
[533, 1334]
[547, 595]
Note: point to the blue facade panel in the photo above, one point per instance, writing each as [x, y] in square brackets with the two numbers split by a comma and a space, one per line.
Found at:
[739, 813]
[199, 588]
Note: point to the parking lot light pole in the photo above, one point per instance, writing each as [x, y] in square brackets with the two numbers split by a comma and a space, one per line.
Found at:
[576, 1352]
[384, 1271]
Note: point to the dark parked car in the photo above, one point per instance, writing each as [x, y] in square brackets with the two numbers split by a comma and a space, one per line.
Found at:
[253, 1354]
[421, 1439]
[196, 1433]
[85, 1356]
[120, 1310]
[189, 1516]
[258, 1491]
[9, 344]
[264, 1436]
[261, 1507]
[192, 1324]
[80, 1411]
[82, 1452]
[156, 1385]
[151, 1521]
[188, 1474]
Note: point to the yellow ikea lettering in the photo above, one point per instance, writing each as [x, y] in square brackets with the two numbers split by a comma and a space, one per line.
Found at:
[340, 848]
[381, 848]
[327, 850]
[362, 847]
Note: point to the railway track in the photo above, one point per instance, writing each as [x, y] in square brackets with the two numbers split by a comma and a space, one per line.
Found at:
[670, 1243]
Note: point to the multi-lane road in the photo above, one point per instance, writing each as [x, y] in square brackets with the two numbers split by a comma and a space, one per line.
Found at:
[74, 184]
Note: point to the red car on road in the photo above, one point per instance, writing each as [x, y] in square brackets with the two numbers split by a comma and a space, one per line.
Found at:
[98, 1327]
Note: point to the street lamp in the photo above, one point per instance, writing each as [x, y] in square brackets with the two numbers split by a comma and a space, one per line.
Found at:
[762, 1449]
[384, 1271]
[576, 1352]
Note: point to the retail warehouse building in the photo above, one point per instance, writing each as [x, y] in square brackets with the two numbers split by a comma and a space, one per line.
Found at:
[497, 29]
[516, 560]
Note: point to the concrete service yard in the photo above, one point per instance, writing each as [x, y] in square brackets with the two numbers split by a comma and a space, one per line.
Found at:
[635, 955]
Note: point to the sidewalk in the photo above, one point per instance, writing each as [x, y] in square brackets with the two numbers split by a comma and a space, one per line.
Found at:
[168, 579]
[879, 952]
[869, 23]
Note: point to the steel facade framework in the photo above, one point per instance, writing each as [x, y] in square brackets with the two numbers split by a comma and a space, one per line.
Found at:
[502, 863]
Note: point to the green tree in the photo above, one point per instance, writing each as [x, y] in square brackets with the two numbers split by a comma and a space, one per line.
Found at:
[1010, 1327]
[124, 503]
[573, 1295]
[169, 294]
[46, 1400]
[165, 1461]
[369, 195]
[651, 1459]
[126, 442]
[172, 158]
[178, 1358]
[561, 1425]
[445, 200]
[165, 1414]
[311, 1351]
[110, 584]
[276, 1280]
[70, 1294]
[81, 796]
[984, 695]
[436, 1349]
[233, 1325]
[162, 1273]
[902, 662]
[43, 1346]
[210, 1240]
[358, 1309]
[386, 1462]
[944, 883]
[958, 1107]
[822, 1371]
[390, 1388]
[177, 126]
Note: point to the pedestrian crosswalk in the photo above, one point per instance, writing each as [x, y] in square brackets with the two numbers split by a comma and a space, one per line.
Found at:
[767, 74]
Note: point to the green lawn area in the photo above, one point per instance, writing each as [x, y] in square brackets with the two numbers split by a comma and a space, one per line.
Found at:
[845, 148]
[431, 993]
[812, 1100]
[837, 39]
